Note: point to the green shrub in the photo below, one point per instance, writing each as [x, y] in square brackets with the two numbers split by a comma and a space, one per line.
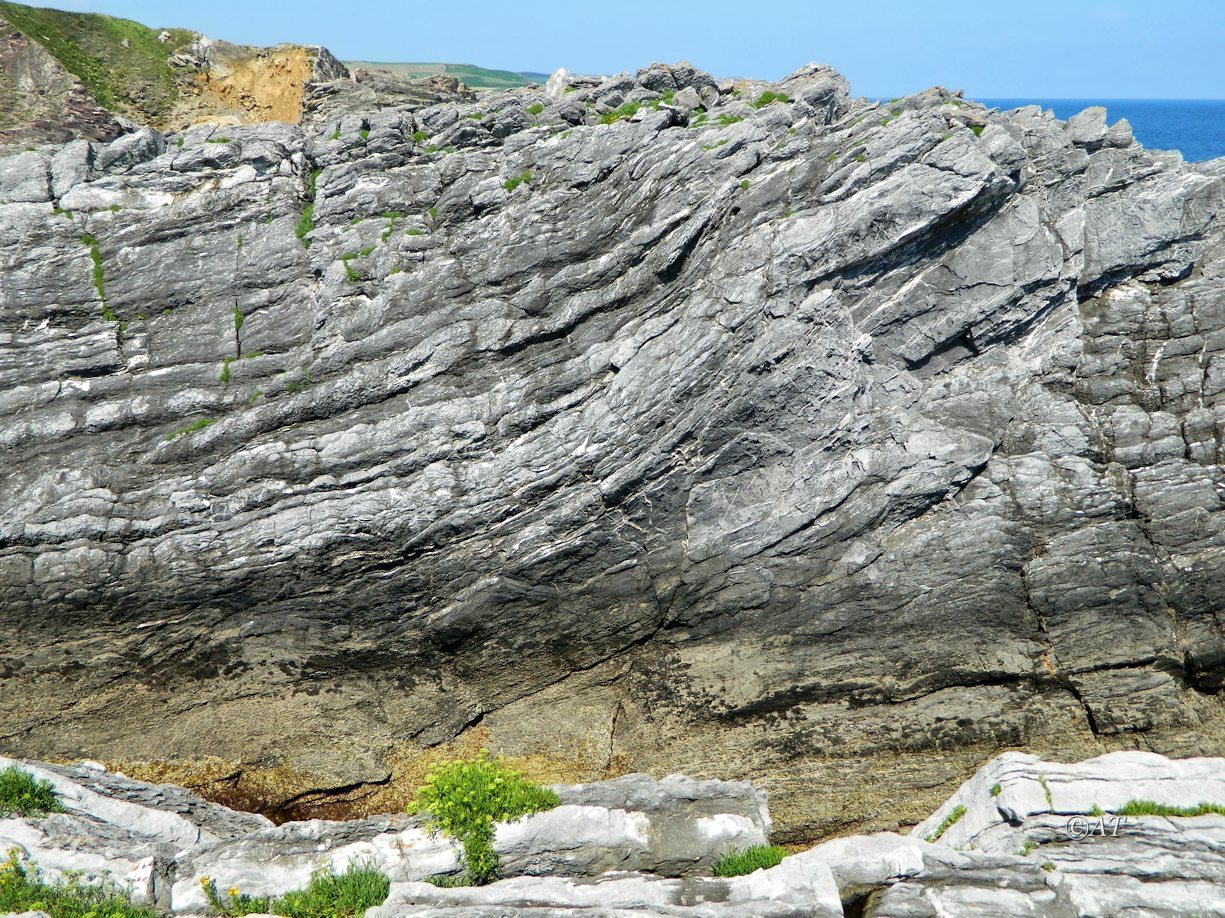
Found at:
[1151, 808]
[21, 794]
[744, 184]
[225, 369]
[621, 112]
[22, 890]
[739, 863]
[464, 800]
[523, 178]
[327, 895]
[535, 108]
[949, 821]
[767, 98]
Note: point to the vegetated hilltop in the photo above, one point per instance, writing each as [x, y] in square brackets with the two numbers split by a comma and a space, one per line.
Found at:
[468, 74]
[65, 75]
[658, 423]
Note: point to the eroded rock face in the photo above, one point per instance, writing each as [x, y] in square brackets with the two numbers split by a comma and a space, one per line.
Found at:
[830, 443]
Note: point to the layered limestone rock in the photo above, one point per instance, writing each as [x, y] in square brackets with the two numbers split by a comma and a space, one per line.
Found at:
[1022, 837]
[649, 424]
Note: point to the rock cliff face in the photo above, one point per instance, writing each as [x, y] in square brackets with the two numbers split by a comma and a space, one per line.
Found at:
[645, 425]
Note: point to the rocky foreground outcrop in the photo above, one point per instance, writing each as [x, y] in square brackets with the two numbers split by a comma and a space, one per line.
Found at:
[1022, 837]
[653, 424]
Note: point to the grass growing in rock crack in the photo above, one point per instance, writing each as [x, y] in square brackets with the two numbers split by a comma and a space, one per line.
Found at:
[306, 222]
[22, 890]
[191, 428]
[21, 794]
[948, 822]
[621, 112]
[463, 799]
[1151, 808]
[996, 790]
[327, 895]
[420, 136]
[1046, 789]
[535, 108]
[977, 129]
[758, 857]
[99, 278]
[768, 98]
[523, 178]
[728, 120]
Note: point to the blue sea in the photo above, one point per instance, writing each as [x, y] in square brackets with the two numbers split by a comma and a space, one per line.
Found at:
[1195, 127]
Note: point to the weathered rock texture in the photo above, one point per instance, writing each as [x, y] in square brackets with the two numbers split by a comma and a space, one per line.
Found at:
[1025, 843]
[835, 444]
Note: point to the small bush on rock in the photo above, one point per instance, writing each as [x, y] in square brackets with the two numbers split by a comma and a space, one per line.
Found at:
[21, 794]
[759, 857]
[465, 799]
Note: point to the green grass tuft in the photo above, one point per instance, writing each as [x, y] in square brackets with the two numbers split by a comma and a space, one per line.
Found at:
[977, 129]
[463, 799]
[225, 369]
[306, 223]
[420, 136]
[744, 184]
[364, 133]
[621, 112]
[739, 863]
[949, 821]
[996, 790]
[768, 98]
[327, 895]
[523, 178]
[21, 794]
[219, 140]
[535, 108]
[726, 120]
[191, 428]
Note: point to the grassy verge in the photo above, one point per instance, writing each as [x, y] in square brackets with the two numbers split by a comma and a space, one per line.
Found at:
[121, 62]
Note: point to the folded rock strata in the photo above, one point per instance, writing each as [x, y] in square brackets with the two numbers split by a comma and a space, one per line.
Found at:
[833, 444]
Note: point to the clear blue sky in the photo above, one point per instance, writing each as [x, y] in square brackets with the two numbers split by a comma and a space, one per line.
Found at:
[1040, 48]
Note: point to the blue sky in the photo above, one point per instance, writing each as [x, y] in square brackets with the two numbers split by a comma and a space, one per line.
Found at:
[1040, 48]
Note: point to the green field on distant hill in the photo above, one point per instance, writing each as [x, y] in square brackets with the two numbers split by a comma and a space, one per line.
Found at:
[473, 76]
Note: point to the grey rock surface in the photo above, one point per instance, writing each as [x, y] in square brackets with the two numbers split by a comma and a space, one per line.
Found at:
[835, 443]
